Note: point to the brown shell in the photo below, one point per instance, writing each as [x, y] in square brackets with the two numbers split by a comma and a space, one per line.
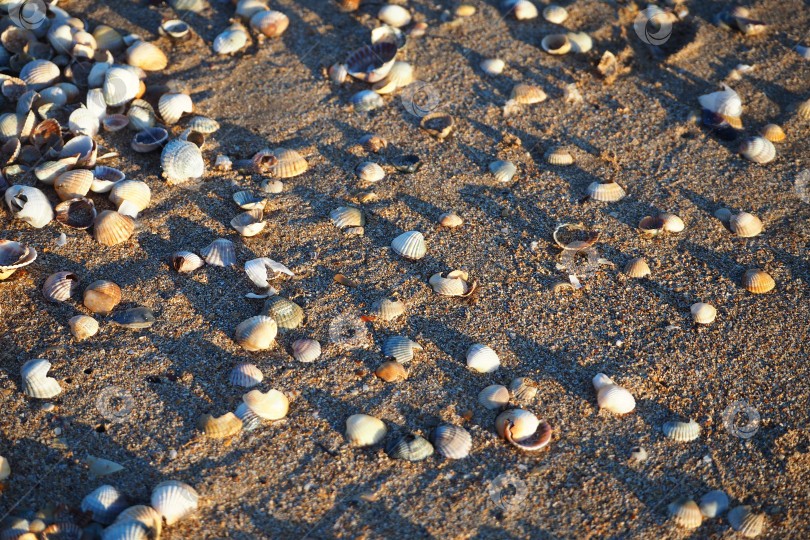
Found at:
[101, 297]
[73, 184]
[221, 427]
[391, 371]
[528, 94]
[772, 132]
[146, 56]
[757, 281]
[59, 286]
[637, 268]
[112, 228]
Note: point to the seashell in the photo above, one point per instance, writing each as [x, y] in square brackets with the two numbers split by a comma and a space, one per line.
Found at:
[134, 318]
[803, 110]
[410, 245]
[83, 148]
[451, 441]
[580, 42]
[115, 122]
[713, 503]
[703, 313]
[745, 225]
[5, 469]
[112, 228]
[399, 76]
[174, 500]
[133, 191]
[450, 220]
[347, 216]
[745, 522]
[556, 44]
[35, 380]
[30, 205]
[203, 124]
[14, 255]
[493, 397]
[492, 66]
[246, 374]
[120, 86]
[528, 94]
[772, 132]
[372, 63]
[246, 9]
[141, 115]
[367, 100]
[364, 430]
[285, 312]
[370, 172]
[524, 10]
[400, 348]
[306, 350]
[26, 102]
[83, 122]
[59, 286]
[221, 427]
[248, 201]
[522, 389]
[609, 191]
[725, 102]
[256, 333]
[220, 252]
[39, 74]
[102, 467]
[125, 530]
[523, 423]
[559, 156]
[757, 281]
[257, 270]
[503, 171]
[438, 124]
[176, 29]
[388, 310]
[173, 106]
[530, 443]
[101, 297]
[104, 503]
[149, 139]
[281, 162]
[685, 513]
[15, 125]
[145, 515]
[269, 23]
[455, 284]
[758, 149]
[637, 268]
[612, 397]
[638, 453]
[723, 214]
[482, 359]
[394, 15]
[95, 80]
[249, 223]
[272, 405]
[373, 143]
[409, 447]
[391, 371]
[83, 327]
[107, 38]
[555, 14]
[181, 161]
[232, 40]
[338, 73]
[186, 261]
[146, 56]
[671, 223]
[682, 431]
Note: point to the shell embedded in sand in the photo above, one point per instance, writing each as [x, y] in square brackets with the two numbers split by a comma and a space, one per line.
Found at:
[410, 448]
[391, 371]
[671, 223]
[388, 310]
[83, 327]
[559, 156]
[220, 427]
[410, 245]
[607, 192]
[256, 333]
[306, 350]
[492, 66]
[685, 513]
[104, 504]
[400, 348]
[454, 284]
[703, 313]
[743, 520]
[682, 431]
[637, 268]
[453, 442]
[713, 503]
[246, 375]
[745, 225]
[556, 44]
[757, 281]
[174, 500]
[528, 94]
[364, 430]
[482, 359]
[493, 397]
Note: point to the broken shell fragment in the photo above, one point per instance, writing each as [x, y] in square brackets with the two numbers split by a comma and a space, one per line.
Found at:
[522, 389]
[400, 348]
[306, 350]
[745, 225]
[220, 252]
[482, 359]
[685, 513]
[249, 223]
[102, 467]
[493, 397]
[261, 270]
[14, 255]
[682, 431]
[410, 245]
[186, 261]
[248, 201]
[372, 63]
[221, 427]
[524, 10]
[438, 124]
[530, 443]
[555, 14]
[364, 430]
[256, 333]
[453, 442]
[757, 281]
[246, 375]
[270, 405]
[29, 204]
[59, 286]
[492, 66]
[35, 380]
[101, 297]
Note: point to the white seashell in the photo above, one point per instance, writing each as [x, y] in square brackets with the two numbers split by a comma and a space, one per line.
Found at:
[272, 405]
[559, 156]
[522, 389]
[146, 516]
[612, 397]
[682, 431]
[400, 348]
[671, 223]
[450, 220]
[503, 171]
[608, 192]
[181, 161]
[35, 380]
[256, 333]
[306, 350]
[580, 42]
[97, 75]
[571, 94]
[555, 14]
[261, 270]
[758, 149]
[451, 441]
[5, 470]
[83, 327]
[269, 23]
[455, 284]
[745, 225]
[637, 268]
[174, 500]
[713, 503]
[524, 10]
[30, 205]
[556, 44]
[102, 467]
[638, 453]
[126, 530]
[232, 40]
[492, 66]
[220, 252]
[493, 397]
[246, 9]
[364, 430]
[83, 122]
[725, 102]
[685, 513]
[410, 245]
[246, 375]
[248, 201]
[482, 359]
[399, 76]
[105, 503]
[39, 74]
[746, 522]
[703, 313]
[173, 106]
[388, 310]
[120, 86]
[523, 423]
[394, 15]
[347, 216]
[133, 191]
[14, 255]
[370, 172]
[186, 261]
[249, 223]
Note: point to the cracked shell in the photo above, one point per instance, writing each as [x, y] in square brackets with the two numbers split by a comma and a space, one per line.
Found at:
[364, 430]
[256, 333]
[29, 204]
[35, 380]
[453, 442]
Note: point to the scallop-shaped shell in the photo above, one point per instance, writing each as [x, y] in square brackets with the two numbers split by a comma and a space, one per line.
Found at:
[503, 171]
[146, 56]
[125, 530]
[107, 38]
[112, 228]
[410, 245]
[256, 333]
[288, 163]
[35, 380]
[615, 399]
[134, 191]
[522, 389]
[30, 205]
[555, 14]
[454, 284]
[685, 513]
[59, 286]
[221, 427]
[146, 515]
[725, 102]
[306, 350]
[248, 201]
[757, 281]
[524, 10]
[83, 122]
[369, 171]
[671, 223]
[609, 191]
[173, 106]
[73, 184]
[269, 23]
[388, 310]
[285, 312]
[803, 110]
[682, 431]
[174, 500]
[713, 503]
[364, 430]
[391, 371]
[400, 348]
[482, 359]
[203, 124]
[101, 297]
[637, 268]
[246, 375]
[758, 149]
[220, 252]
[772, 132]
[394, 15]
[745, 225]
[181, 161]
[373, 143]
[104, 503]
[450, 220]
[271, 405]
[186, 261]
[703, 313]
[556, 44]
[559, 156]
[372, 63]
[492, 66]
[523, 423]
[263, 269]
[347, 216]
[14, 255]
[528, 94]
[367, 100]
[120, 86]
[39, 74]
[409, 447]
[451, 441]
[743, 520]
[141, 115]
[249, 223]
[83, 327]
[494, 397]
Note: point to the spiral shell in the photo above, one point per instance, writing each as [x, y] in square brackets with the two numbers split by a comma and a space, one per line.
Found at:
[181, 161]
[221, 427]
[306, 350]
[220, 252]
[745, 225]
[146, 56]
[391, 371]
[372, 63]
[410, 245]
[186, 261]
[35, 380]
[494, 397]
[59, 286]
[682, 431]
[174, 500]
[503, 171]
[256, 333]
[173, 106]
[269, 23]
[482, 359]
[743, 520]
[409, 447]
[364, 430]
[370, 172]
[556, 44]
[104, 503]
[758, 149]
[112, 228]
[285, 312]
[607, 192]
[83, 327]
[30, 205]
[713, 503]
[388, 310]
[703, 313]
[685, 513]
[559, 156]
[451, 441]
[637, 268]
[757, 281]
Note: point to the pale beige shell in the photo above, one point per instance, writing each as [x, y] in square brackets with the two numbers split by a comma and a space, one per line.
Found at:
[246, 375]
[615, 399]
[528, 94]
[146, 56]
[682, 431]
[83, 327]
[173, 106]
[174, 500]
[39, 74]
[107, 38]
[256, 333]
[492, 66]
[607, 192]
[450, 220]
[482, 359]
[306, 350]
[743, 520]
[686, 513]
[271, 405]
[455, 284]
[556, 44]
[269, 23]
[745, 225]
[758, 281]
[145, 515]
[133, 191]
[369, 171]
[804, 110]
[410, 245]
[221, 427]
[59, 286]
[5, 468]
[364, 430]
[391, 371]
[186, 261]
[637, 268]
[73, 184]
[101, 297]
[772, 132]
[522, 389]
[758, 149]
[671, 223]
[555, 14]
[524, 423]
[289, 163]
[394, 15]
[249, 223]
[524, 10]
[112, 228]
[559, 156]
[388, 310]
[493, 397]
[703, 313]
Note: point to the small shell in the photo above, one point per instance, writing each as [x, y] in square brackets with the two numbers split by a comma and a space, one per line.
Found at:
[134, 191]
[203, 124]
[503, 171]
[59, 286]
[102, 467]
[135, 318]
[555, 14]
[388, 310]
[745, 225]
[492, 66]
[410, 448]
[399, 76]
[713, 504]
[269, 23]
[232, 40]
[682, 431]
[451, 441]
[527, 94]
[174, 500]
[220, 252]
[746, 522]
[493, 397]
[248, 201]
[246, 375]
[173, 106]
[438, 124]
[758, 149]
[338, 73]
[367, 100]
[186, 261]
[104, 504]
[364, 430]
[246, 9]
[14, 255]
[671, 223]
[35, 380]
[651, 226]
[30, 205]
[400, 348]
[5, 468]
[524, 10]
[703, 313]
[286, 313]
[559, 156]
[306, 350]
[123, 530]
[271, 405]
[347, 216]
[372, 63]
[772, 132]
[637, 268]
[263, 269]
[530, 443]
[522, 389]
[112, 228]
[221, 427]
[373, 143]
[638, 453]
[451, 220]
[181, 161]
[410, 245]
[455, 284]
[120, 86]
[370, 172]
[615, 399]
[115, 122]
[608, 192]
[685, 513]
[394, 15]
[757, 281]
[391, 371]
[249, 223]
[725, 102]
[146, 56]
[101, 297]
[803, 110]
[141, 115]
[175, 28]
[523, 423]
[287, 163]
[73, 184]
[146, 515]
[256, 333]
[482, 359]
[580, 42]
[556, 44]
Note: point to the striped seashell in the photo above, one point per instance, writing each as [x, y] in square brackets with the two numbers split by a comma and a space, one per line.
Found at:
[57, 531]
[249, 223]
[685, 513]
[503, 171]
[745, 225]
[133, 191]
[246, 375]
[451, 220]
[232, 40]
[637, 268]
[5, 472]
[494, 397]
[15, 125]
[248, 201]
[394, 15]
[26, 103]
[370, 172]
[671, 223]
[743, 520]
[409, 447]
[256, 333]
[203, 124]
[492, 66]
[306, 350]
[455, 284]
[523, 423]
[83, 148]
[286, 313]
[703, 313]
[612, 397]
[524, 10]
[733, 121]
[83, 122]
[608, 192]
[220, 252]
[220, 427]
[682, 431]
[83, 327]
[757, 281]
[271, 405]
[803, 110]
[338, 73]
[125, 530]
[555, 14]
[173, 106]
[104, 503]
[186, 261]
[39, 74]
[399, 76]
[373, 143]
[391, 371]
[410, 245]
[388, 310]
[725, 102]
[35, 380]
[364, 430]
[30, 205]
[528, 94]
[145, 515]
[95, 80]
[437, 124]
[269, 23]
[522, 389]
[400, 348]
[101, 297]
[181, 161]
[482, 359]
[59, 286]
[115, 122]
[174, 500]
[347, 216]
[372, 63]
[141, 115]
[14, 255]
[366, 100]
[559, 156]
[451, 441]
[556, 44]
[112, 228]
[146, 56]
[713, 504]
[758, 149]
[263, 269]
[288, 163]
[120, 86]
[772, 132]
